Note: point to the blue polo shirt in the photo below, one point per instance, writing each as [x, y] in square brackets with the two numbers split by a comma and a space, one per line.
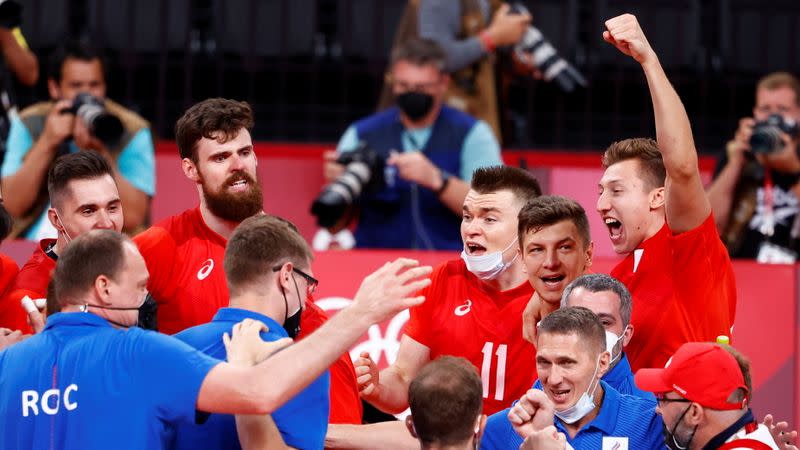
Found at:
[302, 421]
[620, 378]
[622, 418]
[82, 384]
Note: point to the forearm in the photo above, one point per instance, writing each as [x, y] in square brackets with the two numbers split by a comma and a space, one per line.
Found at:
[21, 61]
[393, 435]
[392, 395]
[19, 194]
[453, 195]
[259, 432]
[673, 131]
[720, 193]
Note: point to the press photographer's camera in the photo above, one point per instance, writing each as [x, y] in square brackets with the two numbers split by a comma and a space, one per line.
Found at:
[766, 137]
[534, 49]
[102, 124]
[364, 171]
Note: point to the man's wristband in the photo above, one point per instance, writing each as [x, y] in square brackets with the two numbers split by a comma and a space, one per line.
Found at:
[486, 40]
[445, 181]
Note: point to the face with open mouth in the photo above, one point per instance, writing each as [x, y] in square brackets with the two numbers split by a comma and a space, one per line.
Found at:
[566, 367]
[554, 256]
[489, 223]
[628, 208]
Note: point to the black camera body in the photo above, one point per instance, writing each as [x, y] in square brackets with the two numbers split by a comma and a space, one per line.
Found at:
[766, 137]
[10, 14]
[102, 124]
[364, 172]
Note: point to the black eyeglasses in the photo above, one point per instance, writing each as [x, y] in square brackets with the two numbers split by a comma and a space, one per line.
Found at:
[311, 282]
[662, 398]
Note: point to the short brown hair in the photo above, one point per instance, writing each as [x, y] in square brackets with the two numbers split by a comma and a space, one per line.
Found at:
[644, 150]
[420, 52]
[548, 210]
[214, 118]
[739, 395]
[260, 243]
[75, 166]
[575, 320]
[98, 252]
[446, 398]
[521, 183]
[777, 80]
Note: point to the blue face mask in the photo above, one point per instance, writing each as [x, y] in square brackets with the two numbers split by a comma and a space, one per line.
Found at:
[584, 405]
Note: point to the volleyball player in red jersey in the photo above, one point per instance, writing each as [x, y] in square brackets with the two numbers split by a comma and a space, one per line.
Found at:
[184, 253]
[658, 215]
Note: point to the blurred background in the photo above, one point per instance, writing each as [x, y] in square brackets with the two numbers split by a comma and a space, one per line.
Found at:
[311, 67]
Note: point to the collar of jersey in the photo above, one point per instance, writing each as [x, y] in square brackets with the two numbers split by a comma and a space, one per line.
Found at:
[621, 371]
[236, 315]
[75, 319]
[207, 231]
[606, 417]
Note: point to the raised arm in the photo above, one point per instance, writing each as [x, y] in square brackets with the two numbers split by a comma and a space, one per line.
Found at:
[686, 203]
[265, 387]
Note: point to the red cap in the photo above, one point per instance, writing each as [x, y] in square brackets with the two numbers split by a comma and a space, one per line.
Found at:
[702, 372]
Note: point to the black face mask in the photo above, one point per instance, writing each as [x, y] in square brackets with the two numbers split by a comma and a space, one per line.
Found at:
[670, 439]
[5, 222]
[415, 105]
[292, 323]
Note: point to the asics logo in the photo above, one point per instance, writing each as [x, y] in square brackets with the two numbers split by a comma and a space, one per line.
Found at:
[205, 271]
[463, 309]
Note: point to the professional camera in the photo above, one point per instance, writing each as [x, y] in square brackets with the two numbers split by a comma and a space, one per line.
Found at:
[766, 137]
[363, 172]
[102, 124]
[535, 50]
[10, 14]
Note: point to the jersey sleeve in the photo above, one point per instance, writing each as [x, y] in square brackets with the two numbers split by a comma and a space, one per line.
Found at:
[418, 326]
[480, 149]
[173, 374]
[137, 162]
[499, 434]
[158, 250]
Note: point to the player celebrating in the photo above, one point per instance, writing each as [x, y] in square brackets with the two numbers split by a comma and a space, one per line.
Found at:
[653, 202]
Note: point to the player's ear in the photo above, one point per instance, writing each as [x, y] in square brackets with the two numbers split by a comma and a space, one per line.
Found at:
[190, 170]
[410, 426]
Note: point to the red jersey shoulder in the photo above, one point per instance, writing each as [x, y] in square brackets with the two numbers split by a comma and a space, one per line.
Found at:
[8, 272]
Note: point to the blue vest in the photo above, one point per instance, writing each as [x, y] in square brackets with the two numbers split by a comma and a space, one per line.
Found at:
[387, 216]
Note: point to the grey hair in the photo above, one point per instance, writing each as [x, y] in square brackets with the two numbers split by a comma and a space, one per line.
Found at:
[599, 282]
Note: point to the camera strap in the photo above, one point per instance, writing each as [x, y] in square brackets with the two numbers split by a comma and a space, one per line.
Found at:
[768, 226]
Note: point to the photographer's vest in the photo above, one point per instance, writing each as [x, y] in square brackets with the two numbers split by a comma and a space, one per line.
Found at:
[388, 217]
[34, 117]
[472, 89]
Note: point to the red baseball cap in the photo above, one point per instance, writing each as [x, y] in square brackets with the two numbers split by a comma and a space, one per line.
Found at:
[702, 372]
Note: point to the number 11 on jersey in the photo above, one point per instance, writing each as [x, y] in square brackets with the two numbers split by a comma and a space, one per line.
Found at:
[486, 369]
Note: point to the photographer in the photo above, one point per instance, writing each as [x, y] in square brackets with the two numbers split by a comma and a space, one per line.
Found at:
[755, 190]
[430, 152]
[78, 118]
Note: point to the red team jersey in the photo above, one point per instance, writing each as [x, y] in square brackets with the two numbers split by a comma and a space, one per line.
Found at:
[683, 290]
[8, 271]
[32, 280]
[463, 316]
[187, 280]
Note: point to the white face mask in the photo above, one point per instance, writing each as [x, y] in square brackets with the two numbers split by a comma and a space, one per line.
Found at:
[584, 405]
[489, 265]
[611, 342]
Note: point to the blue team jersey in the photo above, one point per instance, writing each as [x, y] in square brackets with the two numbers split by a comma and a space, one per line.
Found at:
[302, 421]
[82, 384]
[630, 421]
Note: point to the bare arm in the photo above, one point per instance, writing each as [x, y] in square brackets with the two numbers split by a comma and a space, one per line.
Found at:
[721, 190]
[265, 387]
[388, 390]
[686, 203]
[453, 195]
[259, 433]
[134, 201]
[33, 171]
[20, 60]
[393, 435]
